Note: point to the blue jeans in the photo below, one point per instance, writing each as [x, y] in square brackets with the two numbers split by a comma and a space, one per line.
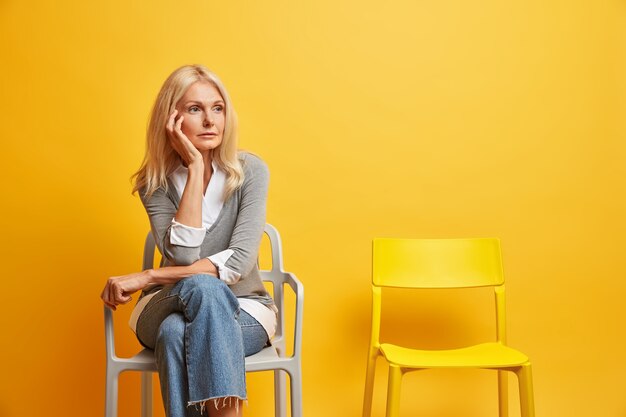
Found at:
[200, 338]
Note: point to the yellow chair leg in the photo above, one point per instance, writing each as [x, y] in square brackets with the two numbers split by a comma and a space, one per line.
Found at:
[527, 401]
[503, 394]
[393, 391]
[369, 382]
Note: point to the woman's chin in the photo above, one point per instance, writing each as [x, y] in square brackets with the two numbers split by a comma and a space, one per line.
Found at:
[207, 145]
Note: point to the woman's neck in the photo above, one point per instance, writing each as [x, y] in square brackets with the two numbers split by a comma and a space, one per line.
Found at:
[207, 158]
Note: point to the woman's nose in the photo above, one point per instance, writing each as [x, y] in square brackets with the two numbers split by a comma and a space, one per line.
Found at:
[208, 121]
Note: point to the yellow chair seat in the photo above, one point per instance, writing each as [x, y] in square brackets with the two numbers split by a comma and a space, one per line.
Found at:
[485, 355]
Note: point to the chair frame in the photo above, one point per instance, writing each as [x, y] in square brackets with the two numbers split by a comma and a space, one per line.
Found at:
[396, 371]
[272, 358]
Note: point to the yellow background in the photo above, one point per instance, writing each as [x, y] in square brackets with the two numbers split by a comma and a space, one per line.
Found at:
[399, 119]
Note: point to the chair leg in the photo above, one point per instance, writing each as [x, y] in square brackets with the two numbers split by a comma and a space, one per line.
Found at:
[295, 380]
[369, 382]
[110, 396]
[393, 391]
[525, 380]
[503, 394]
[146, 394]
[280, 393]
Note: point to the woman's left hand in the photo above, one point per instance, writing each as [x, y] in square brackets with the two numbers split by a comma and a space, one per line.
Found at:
[118, 289]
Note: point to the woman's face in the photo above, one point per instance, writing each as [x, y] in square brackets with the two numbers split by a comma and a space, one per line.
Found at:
[203, 109]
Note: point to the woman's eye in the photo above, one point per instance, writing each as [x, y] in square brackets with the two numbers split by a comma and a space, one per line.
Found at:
[218, 109]
[194, 109]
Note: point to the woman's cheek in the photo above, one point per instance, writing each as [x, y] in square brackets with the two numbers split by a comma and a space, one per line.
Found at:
[186, 125]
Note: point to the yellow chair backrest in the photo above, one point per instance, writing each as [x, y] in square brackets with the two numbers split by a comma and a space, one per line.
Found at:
[437, 263]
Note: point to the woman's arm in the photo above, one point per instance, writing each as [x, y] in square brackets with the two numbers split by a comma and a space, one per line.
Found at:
[244, 242]
[162, 210]
[118, 290]
[248, 231]
[240, 256]
[189, 210]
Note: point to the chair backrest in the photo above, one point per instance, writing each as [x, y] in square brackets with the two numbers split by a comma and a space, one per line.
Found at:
[437, 263]
[278, 278]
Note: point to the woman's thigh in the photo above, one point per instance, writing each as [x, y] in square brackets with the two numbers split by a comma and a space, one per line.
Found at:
[163, 304]
[254, 335]
[158, 309]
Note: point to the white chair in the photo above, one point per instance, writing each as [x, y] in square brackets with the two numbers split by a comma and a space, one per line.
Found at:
[271, 358]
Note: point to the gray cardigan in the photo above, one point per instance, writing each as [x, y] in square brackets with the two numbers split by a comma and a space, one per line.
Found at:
[239, 226]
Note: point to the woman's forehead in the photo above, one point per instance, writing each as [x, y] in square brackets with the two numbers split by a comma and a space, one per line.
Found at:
[202, 91]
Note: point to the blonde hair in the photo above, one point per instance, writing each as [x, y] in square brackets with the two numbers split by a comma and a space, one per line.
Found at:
[161, 159]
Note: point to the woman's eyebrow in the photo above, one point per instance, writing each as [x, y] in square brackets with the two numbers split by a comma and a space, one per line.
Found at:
[218, 101]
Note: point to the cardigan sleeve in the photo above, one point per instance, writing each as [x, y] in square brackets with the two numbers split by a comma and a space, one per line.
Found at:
[161, 211]
[248, 231]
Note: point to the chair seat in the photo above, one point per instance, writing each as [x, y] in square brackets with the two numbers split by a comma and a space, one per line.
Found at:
[268, 354]
[142, 361]
[485, 355]
[146, 356]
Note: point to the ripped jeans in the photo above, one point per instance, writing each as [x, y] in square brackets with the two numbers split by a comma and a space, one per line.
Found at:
[200, 338]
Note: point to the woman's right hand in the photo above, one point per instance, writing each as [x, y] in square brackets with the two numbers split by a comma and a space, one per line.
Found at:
[118, 290]
[181, 143]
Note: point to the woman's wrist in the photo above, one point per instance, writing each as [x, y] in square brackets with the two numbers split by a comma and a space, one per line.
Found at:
[170, 274]
[196, 166]
[149, 276]
[204, 266]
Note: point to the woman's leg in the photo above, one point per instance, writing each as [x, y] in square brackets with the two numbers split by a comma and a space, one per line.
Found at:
[254, 339]
[200, 358]
[170, 350]
[254, 335]
[170, 353]
[214, 352]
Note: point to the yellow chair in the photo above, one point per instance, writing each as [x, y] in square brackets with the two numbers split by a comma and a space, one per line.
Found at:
[443, 263]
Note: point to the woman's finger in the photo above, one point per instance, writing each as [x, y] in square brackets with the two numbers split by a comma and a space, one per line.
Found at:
[112, 290]
[170, 121]
[179, 124]
[106, 292]
[126, 299]
[105, 295]
[178, 137]
[122, 297]
[118, 293]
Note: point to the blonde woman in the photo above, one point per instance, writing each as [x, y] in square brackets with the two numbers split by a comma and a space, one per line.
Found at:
[205, 308]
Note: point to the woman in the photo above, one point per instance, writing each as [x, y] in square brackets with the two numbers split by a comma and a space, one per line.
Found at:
[205, 308]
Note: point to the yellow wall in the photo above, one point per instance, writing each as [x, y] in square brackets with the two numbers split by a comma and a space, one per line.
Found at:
[408, 118]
